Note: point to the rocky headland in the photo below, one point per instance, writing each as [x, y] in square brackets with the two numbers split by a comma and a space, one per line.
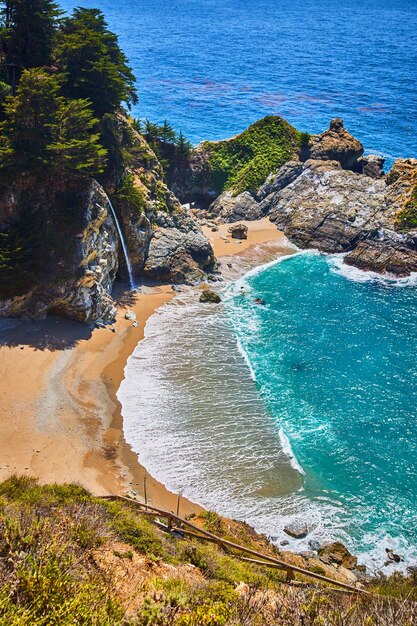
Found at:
[330, 197]
[61, 251]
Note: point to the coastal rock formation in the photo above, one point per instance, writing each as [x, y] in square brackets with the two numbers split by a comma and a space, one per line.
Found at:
[335, 144]
[164, 241]
[339, 201]
[61, 247]
[371, 165]
[234, 208]
[73, 262]
[178, 252]
[327, 207]
[337, 553]
[235, 165]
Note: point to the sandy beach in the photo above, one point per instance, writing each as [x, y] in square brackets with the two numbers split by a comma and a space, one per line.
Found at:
[60, 417]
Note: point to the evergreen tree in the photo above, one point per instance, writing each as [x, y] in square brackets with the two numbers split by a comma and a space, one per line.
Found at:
[182, 150]
[29, 118]
[41, 128]
[167, 133]
[27, 31]
[76, 146]
[92, 63]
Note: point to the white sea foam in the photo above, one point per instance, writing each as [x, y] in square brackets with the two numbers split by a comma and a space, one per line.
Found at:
[246, 358]
[338, 266]
[200, 428]
[287, 449]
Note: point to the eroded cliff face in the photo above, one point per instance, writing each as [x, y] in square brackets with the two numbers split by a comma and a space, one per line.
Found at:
[59, 246]
[339, 201]
[72, 243]
[165, 242]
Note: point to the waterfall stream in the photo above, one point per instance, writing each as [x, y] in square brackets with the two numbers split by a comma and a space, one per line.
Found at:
[122, 241]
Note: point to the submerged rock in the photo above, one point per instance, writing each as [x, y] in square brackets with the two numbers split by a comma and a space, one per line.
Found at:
[296, 530]
[210, 296]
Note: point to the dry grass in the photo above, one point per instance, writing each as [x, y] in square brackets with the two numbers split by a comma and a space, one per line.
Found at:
[67, 558]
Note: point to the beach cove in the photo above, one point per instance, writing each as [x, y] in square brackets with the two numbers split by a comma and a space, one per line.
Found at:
[61, 417]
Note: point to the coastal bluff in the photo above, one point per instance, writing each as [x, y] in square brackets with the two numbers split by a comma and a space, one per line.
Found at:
[326, 195]
[65, 238]
[61, 246]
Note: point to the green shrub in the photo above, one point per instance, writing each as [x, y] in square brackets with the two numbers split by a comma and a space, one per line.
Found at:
[129, 193]
[243, 163]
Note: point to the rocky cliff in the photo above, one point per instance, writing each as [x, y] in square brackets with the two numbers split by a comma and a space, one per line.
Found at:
[60, 250]
[336, 200]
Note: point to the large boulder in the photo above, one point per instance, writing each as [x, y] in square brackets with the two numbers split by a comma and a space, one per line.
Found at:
[335, 144]
[327, 207]
[239, 231]
[232, 208]
[337, 553]
[178, 251]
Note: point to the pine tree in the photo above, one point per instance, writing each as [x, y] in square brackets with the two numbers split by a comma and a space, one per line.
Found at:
[76, 146]
[92, 63]
[27, 31]
[29, 118]
[167, 133]
[42, 128]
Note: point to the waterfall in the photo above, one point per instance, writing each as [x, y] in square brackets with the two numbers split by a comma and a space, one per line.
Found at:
[122, 241]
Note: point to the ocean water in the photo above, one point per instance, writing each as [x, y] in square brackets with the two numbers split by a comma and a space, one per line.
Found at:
[304, 408]
[301, 410]
[211, 67]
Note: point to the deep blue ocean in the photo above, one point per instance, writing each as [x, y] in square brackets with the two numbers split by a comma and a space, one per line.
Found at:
[304, 409]
[211, 67]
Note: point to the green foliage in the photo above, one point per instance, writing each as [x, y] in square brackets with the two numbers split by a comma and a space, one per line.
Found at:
[212, 521]
[406, 219]
[128, 192]
[172, 149]
[76, 146]
[243, 163]
[27, 32]
[92, 64]
[41, 128]
[54, 571]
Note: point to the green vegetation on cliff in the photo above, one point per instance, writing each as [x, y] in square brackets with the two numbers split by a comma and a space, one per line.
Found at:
[70, 558]
[243, 163]
[406, 219]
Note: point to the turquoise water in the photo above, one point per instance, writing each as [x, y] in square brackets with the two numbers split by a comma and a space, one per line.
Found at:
[212, 67]
[335, 359]
[301, 410]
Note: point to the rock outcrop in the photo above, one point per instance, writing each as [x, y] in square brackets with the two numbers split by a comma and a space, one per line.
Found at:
[327, 207]
[339, 201]
[75, 254]
[71, 248]
[165, 242]
[335, 144]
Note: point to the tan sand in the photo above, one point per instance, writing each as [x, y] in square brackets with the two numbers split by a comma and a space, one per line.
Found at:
[60, 419]
[259, 231]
